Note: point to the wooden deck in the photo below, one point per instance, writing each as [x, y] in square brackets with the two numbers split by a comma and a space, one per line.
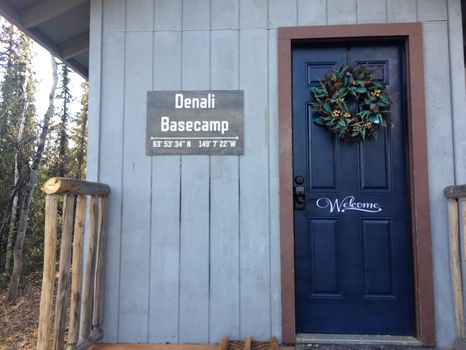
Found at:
[153, 347]
[162, 347]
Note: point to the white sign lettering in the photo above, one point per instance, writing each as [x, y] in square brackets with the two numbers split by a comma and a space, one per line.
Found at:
[193, 125]
[347, 203]
[194, 102]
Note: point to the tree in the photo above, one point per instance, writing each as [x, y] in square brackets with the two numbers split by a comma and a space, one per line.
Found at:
[29, 190]
[31, 152]
[65, 97]
[16, 130]
[23, 154]
[79, 138]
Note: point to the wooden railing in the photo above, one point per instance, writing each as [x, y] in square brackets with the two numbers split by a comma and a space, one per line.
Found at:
[457, 230]
[83, 296]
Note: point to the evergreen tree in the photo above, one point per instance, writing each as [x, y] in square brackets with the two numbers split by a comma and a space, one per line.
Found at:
[24, 143]
[65, 97]
[79, 138]
[17, 132]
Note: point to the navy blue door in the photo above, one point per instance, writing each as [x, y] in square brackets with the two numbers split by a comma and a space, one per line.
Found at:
[353, 254]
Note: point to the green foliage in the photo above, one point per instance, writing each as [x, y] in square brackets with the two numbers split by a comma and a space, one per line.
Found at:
[65, 153]
[351, 104]
[58, 155]
[78, 154]
[14, 59]
[17, 127]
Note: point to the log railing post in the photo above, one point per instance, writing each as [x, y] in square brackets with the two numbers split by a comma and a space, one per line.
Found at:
[76, 277]
[83, 330]
[455, 265]
[457, 216]
[90, 269]
[97, 313]
[50, 247]
[64, 272]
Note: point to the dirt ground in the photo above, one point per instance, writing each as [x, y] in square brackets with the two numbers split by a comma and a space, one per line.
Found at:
[18, 321]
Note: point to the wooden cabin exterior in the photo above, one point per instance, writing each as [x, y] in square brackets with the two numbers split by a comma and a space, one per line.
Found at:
[203, 246]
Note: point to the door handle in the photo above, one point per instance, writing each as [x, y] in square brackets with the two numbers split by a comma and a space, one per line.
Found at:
[299, 193]
[299, 198]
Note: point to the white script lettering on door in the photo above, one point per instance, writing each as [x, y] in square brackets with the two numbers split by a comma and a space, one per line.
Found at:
[347, 203]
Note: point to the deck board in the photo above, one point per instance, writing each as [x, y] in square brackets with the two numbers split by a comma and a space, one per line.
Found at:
[163, 347]
[153, 347]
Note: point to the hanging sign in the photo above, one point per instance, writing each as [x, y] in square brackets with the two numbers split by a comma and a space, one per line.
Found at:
[195, 122]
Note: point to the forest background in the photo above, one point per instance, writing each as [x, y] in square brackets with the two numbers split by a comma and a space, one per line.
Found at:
[40, 137]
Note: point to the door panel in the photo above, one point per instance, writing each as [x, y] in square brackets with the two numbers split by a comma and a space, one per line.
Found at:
[377, 258]
[352, 241]
[324, 258]
[375, 155]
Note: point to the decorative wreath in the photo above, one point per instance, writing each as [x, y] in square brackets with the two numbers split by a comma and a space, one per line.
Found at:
[351, 103]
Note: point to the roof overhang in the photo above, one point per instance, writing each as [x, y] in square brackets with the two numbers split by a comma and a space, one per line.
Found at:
[61, 26]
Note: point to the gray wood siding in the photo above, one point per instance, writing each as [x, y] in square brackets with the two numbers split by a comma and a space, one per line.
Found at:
[166, 179]
[224, 195]
[193, 245]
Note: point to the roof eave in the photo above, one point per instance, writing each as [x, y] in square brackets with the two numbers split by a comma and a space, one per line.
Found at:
[12, 16]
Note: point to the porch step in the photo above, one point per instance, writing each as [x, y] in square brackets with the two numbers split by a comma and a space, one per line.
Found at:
[358, 347]
[359, 342]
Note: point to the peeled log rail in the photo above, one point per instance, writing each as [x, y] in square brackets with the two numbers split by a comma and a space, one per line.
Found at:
[457, 227]
[90, 267]
[83, 330]
[60, 185]
[455, 191]
[64, 273]
[98, 305]
[77, 269]
[50, 248]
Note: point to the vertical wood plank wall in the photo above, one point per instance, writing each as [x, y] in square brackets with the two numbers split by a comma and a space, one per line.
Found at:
[193, 245]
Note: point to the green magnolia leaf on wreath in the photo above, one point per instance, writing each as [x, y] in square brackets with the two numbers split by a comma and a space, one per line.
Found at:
[384, 99]
[341, 123]
[327, 108]
[319, 120]
[364, 114]
[348, 80]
